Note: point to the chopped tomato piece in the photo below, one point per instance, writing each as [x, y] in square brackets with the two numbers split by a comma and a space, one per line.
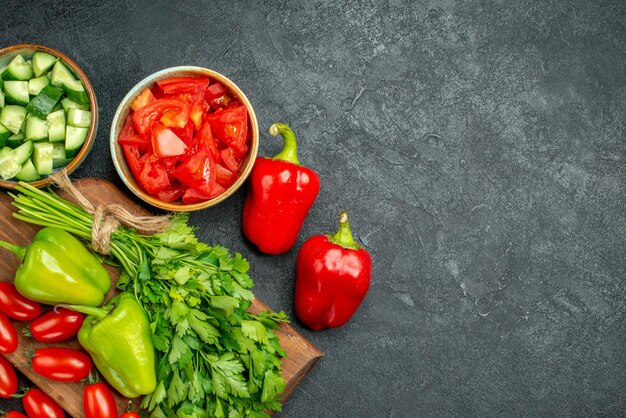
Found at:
[197, 111]
[132, 155]
[216, 191]
[223, 176]
[166, 143]
[178, 85]
[214, 91]
[144, 118]
[170, 194]
[228, 159]
[175, 118]
[231, 127]
[153, 177]
[206, 140]
[142, 144]
[142, 99]
[198, 171]
[186, 134]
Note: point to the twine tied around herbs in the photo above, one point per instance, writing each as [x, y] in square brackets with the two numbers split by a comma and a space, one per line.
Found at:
[107, 218]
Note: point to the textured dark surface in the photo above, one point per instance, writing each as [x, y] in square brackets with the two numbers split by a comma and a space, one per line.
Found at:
[479, 148]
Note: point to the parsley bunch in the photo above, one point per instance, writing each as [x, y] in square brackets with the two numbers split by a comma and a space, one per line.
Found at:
[215, 359]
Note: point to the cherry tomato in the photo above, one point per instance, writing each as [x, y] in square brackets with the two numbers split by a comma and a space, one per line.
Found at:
[129, 415]
[56, 326]
[62, 364]
[16, 306]
[39, 405]
[14, 414]
[98, 401]
[8, 379]
[8, 335]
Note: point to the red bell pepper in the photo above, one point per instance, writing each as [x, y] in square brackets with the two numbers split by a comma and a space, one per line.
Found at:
[280, 194]
[333, 275]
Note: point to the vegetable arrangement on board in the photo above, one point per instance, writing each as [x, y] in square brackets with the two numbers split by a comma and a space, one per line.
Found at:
[45, 117]
[213, 357]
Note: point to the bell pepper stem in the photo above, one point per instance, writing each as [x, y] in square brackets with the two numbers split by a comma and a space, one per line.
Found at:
[343, 236]
[290, 148]
[18, 250]
[87, 310]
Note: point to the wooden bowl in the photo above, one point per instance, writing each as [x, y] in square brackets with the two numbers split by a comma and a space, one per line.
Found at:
[124, 109]
[27, 51]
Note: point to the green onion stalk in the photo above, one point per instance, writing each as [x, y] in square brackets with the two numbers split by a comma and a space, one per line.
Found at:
[214, 358]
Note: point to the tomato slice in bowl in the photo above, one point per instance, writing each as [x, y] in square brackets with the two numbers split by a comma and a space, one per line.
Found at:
[231, 127]
[198, 171]
[166, 143]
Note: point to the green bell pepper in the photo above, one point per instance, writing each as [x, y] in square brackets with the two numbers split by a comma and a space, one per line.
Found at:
[119, 339]
[57, 268]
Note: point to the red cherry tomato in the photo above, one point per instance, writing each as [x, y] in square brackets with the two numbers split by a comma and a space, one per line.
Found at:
[129, 415]
[39, 405]
[62, 364]
[98, 402]
[8, 379]
[56, 326]
[14, 414]
[16, 306]
[8, 335]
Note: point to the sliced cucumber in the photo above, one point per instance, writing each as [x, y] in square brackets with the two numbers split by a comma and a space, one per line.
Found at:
[28, 172]
[23, 152]
[5, 134]
[79, 118]
[8, 167]
[15, 140]
[16, 92]
[42, 62]
[12, 116]
[45, 101]
[18, 69]
[36, 84]
[56, 126]
[1, 99]
[76, 92]
[58, 156]
[5, 151]
[69, 104]
[42, 157]
[61, 75]
[2, 70]
[74, 139]
[36, 129]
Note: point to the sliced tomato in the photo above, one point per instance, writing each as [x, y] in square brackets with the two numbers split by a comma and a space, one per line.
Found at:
[197, 111]
[170, 111]
[216, 191]
[142, 99]
[198, 171]
[205, 139]
[142, 144]
[153, 177]
[178, 85]
[228, 159]
[166, 143]
[133, 159]
[231, 127]
[192, 195]
[214, 91]
[223, 176]
[170, 194]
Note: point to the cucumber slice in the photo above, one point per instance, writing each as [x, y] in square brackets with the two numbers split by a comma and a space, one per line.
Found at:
[56, 126]
[5, 134]
[42, 157]
[58, 156]
[79, 118]
[16, 92]
[8, 167]
[76, 92]
[15, 140]
[45, 101]
[23, 152]
[1, 99]
[28, 172]
[42, 62]
[18, 69]
[5, 151]
[12, 117]
[61, 75]
[36, 84]
[69, 104]
[36, 129]
[74, 139]
[2, 70]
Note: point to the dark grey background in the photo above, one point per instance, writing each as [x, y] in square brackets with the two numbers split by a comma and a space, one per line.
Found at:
[479, 148]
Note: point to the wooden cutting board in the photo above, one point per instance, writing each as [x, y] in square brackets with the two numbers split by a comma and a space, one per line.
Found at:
[301, 354]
